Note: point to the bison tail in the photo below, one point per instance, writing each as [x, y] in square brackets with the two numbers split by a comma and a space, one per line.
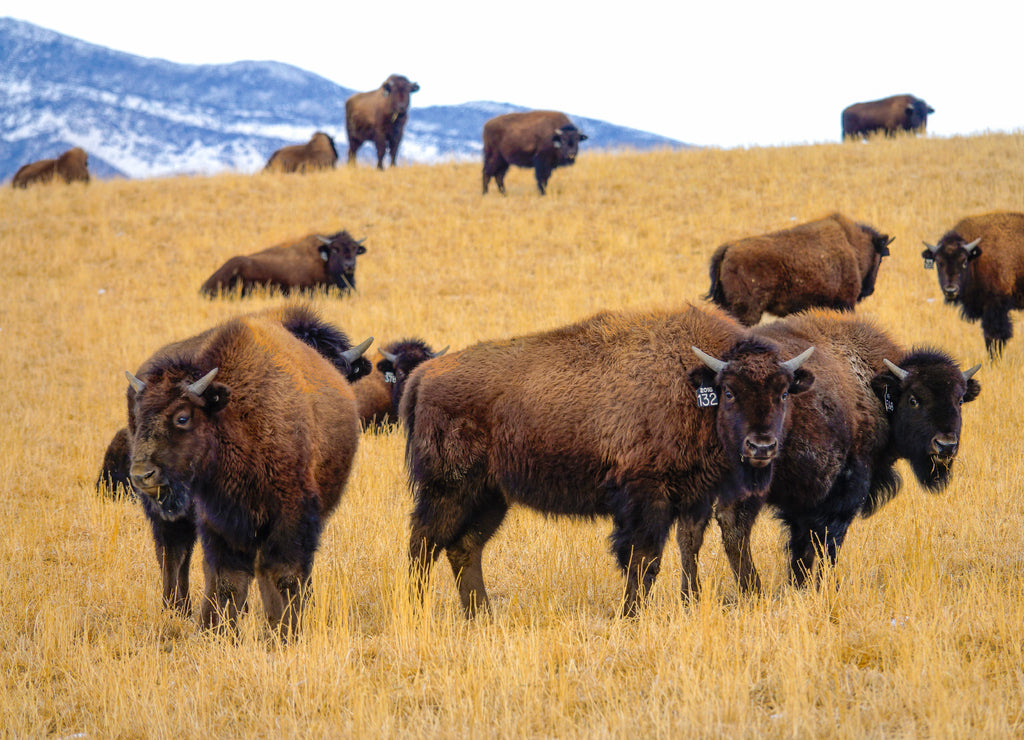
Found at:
[716, 293]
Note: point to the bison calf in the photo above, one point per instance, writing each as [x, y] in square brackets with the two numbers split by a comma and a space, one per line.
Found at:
[613, 416]
[980, 266]
[379, 116]
[246, 434]
[832, 262]
[71, 166]
[318, 153]
[378, 395]
[313, 262]
[539, 139]
[888, 115]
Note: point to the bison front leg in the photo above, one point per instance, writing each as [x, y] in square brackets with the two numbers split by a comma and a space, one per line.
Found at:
[227, 588]
[736, 522]
[997, 326]
[690, 536]
[465, 555]
[381, 142]
[284, 590]
[542, 171]
[174, 542]
[642, 521]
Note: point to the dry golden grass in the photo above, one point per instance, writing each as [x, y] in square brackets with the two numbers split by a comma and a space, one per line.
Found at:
[921, 636]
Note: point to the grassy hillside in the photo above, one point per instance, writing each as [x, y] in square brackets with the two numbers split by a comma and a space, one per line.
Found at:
[921, 635]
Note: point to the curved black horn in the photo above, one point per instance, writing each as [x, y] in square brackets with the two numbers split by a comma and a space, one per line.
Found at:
[200, 386]
[968, 373]
[439, 352]
[139, 385]
[351, 355]
[899, 372]
[793, 364]
[712, 362]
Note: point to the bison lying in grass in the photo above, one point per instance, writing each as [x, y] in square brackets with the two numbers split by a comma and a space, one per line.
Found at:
[831, 263]
[318, 153]
[71, 166]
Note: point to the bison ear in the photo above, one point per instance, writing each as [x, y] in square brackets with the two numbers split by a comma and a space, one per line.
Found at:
[887, 388]
[386, 88]
[216, 397]
[929, 258]
[583, 137]
[973, 389]
[415, 87]
[703, 376]
[360, 249]
[882, 243]
[325, 252]
[802, 381]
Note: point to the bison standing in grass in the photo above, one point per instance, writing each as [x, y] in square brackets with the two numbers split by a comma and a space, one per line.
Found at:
[246, 434]
[379, 116]
[888, 115]
[313, 262]
[540, 139]
[980, 266]
[831, 263]
[613, 416]
[71, 166]
[319, 153]
[378, 394]
[873, 402]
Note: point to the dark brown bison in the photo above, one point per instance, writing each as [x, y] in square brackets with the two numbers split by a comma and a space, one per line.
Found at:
[318, 153]
[888, 115]
[314, 261]
[379, 116]
[378, 394]
[873, 403]
[246, 434]
[541, 139]
[114, 478]
[613, 416]
[71, 166]
[980, 265]
[832, 262]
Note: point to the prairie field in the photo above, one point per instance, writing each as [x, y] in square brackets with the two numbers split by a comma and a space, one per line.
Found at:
[918, 632]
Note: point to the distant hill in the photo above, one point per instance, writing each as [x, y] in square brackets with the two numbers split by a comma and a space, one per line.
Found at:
[141, 117]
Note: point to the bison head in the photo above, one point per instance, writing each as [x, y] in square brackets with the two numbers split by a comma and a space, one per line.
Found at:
[397, 90]
[922, 398]
[400, 359]
[880, 248]
[752, 388]
[339, 252]
[952, 257]
[566, 142]
[915, 115]
[171, 417]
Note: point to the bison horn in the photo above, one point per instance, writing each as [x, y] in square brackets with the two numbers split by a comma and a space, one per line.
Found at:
[138, 385]
[712, 362]
[971, 372]
[439, 352]
[324, 239]
[933, 247]
[351, 355]
[200, 386]
[970, 247]
[794, 364]
[389, 357]
[899, 372]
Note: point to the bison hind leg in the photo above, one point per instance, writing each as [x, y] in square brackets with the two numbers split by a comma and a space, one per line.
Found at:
[465, 555]
[997, 327]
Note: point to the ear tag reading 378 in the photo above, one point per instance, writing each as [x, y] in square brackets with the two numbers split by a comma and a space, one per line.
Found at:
[706, 397]
[390, 377]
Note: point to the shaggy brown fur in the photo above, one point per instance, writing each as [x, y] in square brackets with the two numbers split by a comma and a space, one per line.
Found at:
[303, 265]
[258, 453]
[889, 115]
[71, 166]
[832, 262]
[541, 139]
[988, 281]
[379, 116]
[607, 417]
[318, 153]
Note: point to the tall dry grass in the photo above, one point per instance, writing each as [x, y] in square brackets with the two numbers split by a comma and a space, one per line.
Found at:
[919, 636]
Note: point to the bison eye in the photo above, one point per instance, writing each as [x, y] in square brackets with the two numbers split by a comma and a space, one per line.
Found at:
[728, 394]
[785, 395]
[182, 419]
[912, 400]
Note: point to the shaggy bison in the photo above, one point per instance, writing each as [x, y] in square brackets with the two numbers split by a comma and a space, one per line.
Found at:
[378, 394]
[832, 262]
[872, 403]
[889, 115]
[613, 416]
[314, 261]
[318, 153]
[540, 139]
[71, 166]
[980, 265]
[246, 434]
[379, 116]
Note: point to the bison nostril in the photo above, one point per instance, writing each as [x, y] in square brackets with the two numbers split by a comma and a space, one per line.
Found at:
[944, 445]
[760, 448]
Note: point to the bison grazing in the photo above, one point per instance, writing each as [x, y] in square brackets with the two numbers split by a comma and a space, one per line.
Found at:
[378, 395]
[889, 115]
[613, 416]
[872, 403]
[317, 154]
[541, 139]
[831, 263]
[246, 434]
[379, 116]
[71, 166]
[980, 264]
[313, 262]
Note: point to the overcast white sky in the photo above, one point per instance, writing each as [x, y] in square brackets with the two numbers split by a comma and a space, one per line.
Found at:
[713, 73]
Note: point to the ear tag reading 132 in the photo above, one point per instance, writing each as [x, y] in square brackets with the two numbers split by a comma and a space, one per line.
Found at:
[706, 397]
[389, 377]
[929, 263]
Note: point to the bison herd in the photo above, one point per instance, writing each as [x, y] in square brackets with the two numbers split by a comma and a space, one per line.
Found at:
[243, 437]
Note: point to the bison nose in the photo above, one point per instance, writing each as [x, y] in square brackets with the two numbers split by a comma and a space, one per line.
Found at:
[951, 292]
[945, 445]
[759, 450]
[145, 475]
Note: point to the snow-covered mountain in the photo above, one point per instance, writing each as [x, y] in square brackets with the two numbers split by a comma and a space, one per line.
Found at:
[141, 117]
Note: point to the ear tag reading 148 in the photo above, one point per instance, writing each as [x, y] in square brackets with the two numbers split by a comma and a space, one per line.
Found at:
[929, 263]
[706, 397]
[390, 377]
